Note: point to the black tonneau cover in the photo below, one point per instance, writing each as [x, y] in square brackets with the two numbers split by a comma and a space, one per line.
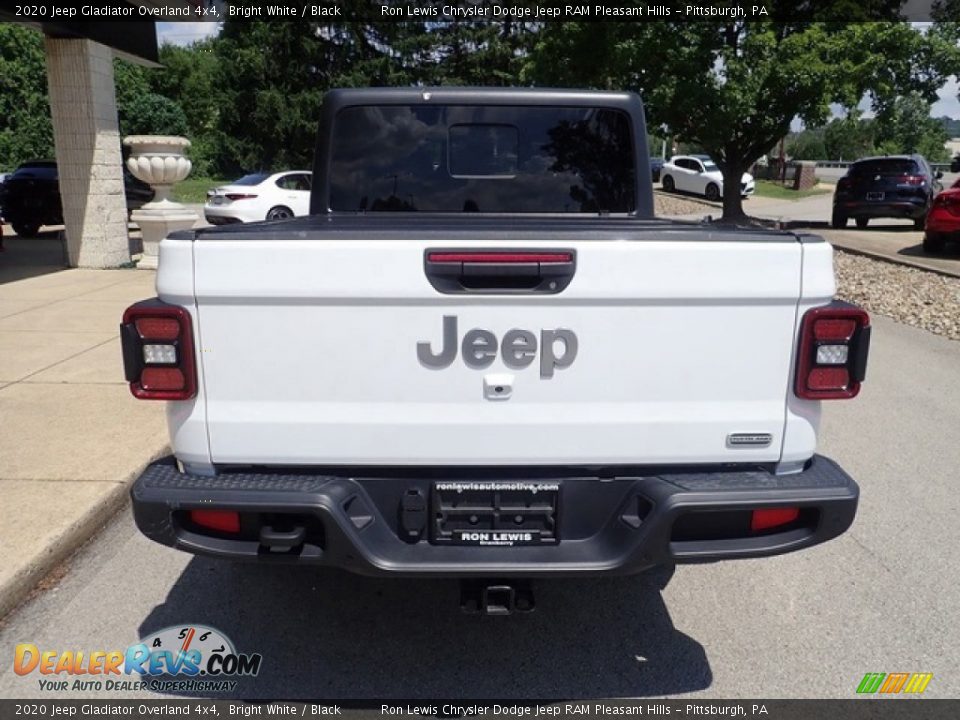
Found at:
[509, 228]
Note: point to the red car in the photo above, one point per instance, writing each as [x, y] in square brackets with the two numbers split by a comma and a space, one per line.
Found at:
[943, 220]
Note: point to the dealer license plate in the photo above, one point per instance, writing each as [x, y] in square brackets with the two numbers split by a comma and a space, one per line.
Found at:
[495, 513]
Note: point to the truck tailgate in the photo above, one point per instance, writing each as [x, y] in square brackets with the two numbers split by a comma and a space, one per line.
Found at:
[308, 351]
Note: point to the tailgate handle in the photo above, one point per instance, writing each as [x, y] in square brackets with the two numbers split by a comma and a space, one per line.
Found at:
[500, 271]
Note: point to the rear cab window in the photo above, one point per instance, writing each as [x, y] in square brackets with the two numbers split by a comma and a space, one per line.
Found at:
[487, 159]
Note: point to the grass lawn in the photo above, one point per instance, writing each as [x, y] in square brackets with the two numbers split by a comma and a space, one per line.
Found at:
[194, 190]
[767, 188]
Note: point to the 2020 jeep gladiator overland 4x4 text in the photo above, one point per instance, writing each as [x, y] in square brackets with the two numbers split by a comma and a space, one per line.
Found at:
[482, 356]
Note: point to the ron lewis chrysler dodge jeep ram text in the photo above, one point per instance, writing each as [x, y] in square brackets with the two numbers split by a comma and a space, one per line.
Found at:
[482, 356]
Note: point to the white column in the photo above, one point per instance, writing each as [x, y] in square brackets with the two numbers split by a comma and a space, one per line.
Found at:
[84, 112]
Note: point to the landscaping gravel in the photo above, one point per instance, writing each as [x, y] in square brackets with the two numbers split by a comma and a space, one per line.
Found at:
[664, 204]
[908, 295]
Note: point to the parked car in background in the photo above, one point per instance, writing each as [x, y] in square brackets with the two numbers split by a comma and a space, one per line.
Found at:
[943, 220]
[260, 196]
[700, 175]
[656, 166]
[30, 197]
[955, 164]
[893, 186]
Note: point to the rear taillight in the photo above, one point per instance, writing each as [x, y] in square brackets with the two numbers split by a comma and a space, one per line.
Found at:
[949, 201]
[843, 184]
[832, 358]
[912, 180]
[158, 358]
[239, 196]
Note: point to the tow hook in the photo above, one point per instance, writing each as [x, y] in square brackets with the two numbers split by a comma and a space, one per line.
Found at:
[494, 597]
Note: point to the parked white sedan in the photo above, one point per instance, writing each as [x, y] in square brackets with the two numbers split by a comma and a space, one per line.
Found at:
[699, 174]
[260, 196]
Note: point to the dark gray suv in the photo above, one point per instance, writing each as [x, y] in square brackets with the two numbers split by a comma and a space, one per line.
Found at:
[893, 186]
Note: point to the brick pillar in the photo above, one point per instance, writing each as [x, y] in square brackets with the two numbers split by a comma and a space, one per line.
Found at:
[84, 112]
[806, 176]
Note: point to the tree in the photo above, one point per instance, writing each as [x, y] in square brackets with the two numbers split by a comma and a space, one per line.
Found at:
[807, 145]
[25, 129]
[905, 126]
[735, 87]
[849, 138]
[152, 114]
[191, 76]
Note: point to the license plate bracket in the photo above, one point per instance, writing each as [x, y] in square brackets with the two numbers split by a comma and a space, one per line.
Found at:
[875, 196]
[495, 513]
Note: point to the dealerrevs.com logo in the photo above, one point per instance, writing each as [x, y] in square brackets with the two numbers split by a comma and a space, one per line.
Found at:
[179, 658]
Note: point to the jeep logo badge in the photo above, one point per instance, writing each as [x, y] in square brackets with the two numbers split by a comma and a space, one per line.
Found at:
[518, 348]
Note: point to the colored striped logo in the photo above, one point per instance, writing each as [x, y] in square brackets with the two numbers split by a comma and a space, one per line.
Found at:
[893, 683]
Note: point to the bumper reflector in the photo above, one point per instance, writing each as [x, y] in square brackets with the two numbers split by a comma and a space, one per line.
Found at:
[772, 517]
[220, 520]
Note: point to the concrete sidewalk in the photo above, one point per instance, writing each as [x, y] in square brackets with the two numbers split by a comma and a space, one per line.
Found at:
[71, 436]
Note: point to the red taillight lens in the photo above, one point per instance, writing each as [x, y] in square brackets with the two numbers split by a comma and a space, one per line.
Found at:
[154, 379]
[949, 201]
[220, 520]
[832, 354]
[828, 378]
[158, 354]
[912, 180]
[158, 328]
[834, 329]
[240, 196]
[843, 183]
[768, 518]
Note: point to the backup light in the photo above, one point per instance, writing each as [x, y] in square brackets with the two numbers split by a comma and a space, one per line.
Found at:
[833, 354]
[160, 354]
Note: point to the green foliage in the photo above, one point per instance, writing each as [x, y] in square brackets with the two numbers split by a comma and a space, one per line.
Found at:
[905, 126]
[25, 129]
[807, 145]
[849, 138]
[250, 98]
[151, 114]
[951, 125]
[194, 188]
[734, 87]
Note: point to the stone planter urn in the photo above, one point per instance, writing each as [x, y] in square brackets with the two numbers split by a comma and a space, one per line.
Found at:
[158, 160]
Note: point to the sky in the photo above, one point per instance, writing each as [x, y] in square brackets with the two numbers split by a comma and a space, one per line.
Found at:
[184, 33]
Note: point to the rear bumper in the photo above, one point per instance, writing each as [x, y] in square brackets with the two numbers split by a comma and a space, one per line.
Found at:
[216, 218]
[943, 223]
[913, 209]
[606, 526]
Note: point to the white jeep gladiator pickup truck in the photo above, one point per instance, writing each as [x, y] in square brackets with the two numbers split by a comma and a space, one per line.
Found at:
[481, 356]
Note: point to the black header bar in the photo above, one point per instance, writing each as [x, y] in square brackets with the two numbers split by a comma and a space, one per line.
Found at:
[471, 10]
